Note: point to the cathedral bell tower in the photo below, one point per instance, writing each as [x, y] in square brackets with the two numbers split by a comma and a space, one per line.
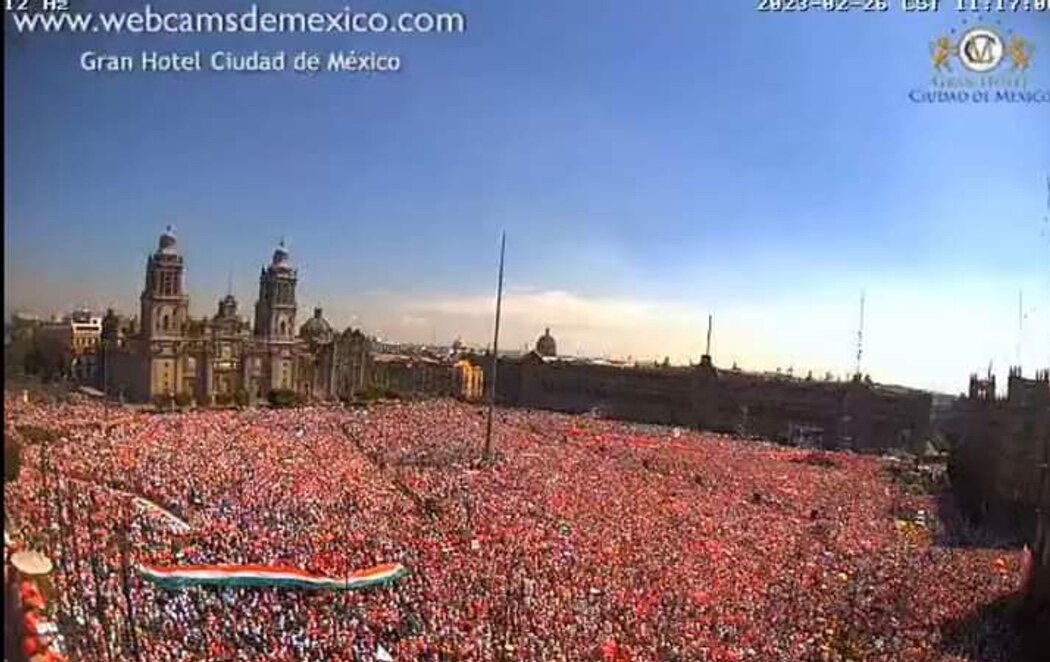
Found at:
[164, 303]
[164, 314]
[276, 307]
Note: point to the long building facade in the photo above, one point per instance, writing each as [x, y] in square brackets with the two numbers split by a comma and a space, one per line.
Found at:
[223, 358]
[855, 414]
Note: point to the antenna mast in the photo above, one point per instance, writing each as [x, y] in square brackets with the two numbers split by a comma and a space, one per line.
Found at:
[860, 335]
[1046, 219]
[1020, 324]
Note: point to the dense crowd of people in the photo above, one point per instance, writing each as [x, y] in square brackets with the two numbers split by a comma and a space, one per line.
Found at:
[584, 539]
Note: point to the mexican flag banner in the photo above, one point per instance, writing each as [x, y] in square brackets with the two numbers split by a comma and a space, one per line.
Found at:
[174, 577]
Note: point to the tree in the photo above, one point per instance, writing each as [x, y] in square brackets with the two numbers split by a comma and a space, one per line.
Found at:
[33, 361]
[283, 397]
[36, 435]
[12, 458]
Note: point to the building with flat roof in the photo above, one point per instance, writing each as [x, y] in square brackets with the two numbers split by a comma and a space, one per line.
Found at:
[855, 414]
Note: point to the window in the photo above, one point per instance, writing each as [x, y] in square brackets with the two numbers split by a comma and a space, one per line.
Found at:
[170, 281]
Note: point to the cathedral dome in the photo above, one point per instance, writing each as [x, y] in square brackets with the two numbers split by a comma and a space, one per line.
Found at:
[546, 346]
[317, 329]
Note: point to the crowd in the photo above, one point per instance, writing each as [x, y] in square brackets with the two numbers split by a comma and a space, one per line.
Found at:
[585, 539]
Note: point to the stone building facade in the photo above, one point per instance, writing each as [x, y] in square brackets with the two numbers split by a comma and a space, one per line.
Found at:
[469, 381]
[215, 360]
[413, 376]
[69, 345]
[1000, 449]
[1037, 598]
[829, 414]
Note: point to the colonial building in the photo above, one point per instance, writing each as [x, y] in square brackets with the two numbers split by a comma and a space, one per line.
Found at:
[1000, 450]
[469, 381]
[60, 347]
[220, 359]
[856, 414]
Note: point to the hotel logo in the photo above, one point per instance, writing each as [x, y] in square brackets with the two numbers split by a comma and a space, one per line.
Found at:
[980, 64]
[980, 50]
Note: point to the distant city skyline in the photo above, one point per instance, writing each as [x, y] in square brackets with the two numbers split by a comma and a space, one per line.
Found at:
[583, 327]
[650, 168]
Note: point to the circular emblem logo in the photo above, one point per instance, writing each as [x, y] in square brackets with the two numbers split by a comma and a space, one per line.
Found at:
[981, 50]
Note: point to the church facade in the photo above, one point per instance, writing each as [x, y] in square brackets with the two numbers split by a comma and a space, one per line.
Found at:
[224, 358]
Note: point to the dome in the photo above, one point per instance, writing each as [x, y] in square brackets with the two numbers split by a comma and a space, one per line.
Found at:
[546, 346]
[317, 329]
[167, 241]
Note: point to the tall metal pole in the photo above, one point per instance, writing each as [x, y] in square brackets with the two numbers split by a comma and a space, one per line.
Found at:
[707, 351]
[495, 349]
[860, 335]
[125, 581]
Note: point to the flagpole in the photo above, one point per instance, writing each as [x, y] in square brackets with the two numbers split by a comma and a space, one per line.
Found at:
[71, 515]
[125, 581]
[100, 606]
[495, 349]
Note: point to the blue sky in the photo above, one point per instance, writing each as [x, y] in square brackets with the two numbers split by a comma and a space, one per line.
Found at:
[651, 162]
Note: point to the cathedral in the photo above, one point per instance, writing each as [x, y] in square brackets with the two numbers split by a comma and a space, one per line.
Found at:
[224, 358]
